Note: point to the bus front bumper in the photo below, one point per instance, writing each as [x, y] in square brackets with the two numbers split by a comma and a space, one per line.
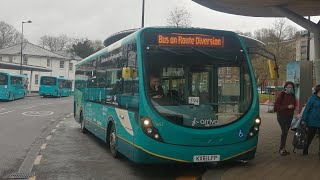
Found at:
[4, 95]
[156, 152]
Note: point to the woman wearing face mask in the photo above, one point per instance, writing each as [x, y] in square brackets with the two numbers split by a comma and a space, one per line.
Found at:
[311, 118]
[284, 106]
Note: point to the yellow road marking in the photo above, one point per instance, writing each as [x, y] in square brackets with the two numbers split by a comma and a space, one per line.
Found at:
[187, 178]
[32, 178]
[43, 146]
[37, 160]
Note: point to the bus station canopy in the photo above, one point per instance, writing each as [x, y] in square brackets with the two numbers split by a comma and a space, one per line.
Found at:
[262, 8]
[14, 66]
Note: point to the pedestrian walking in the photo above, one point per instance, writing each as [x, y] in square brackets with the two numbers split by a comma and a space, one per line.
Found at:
[311, 118]
[284, 106]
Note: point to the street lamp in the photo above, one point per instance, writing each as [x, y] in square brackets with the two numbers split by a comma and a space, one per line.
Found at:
[22, 44]
[142, 23]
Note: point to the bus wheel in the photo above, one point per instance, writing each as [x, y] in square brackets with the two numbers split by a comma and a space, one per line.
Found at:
[113, 142]
[83, 128]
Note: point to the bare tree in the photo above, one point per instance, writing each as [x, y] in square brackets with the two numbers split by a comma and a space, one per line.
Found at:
[179, 17]
[8, 35]
[97, 45]
[280, 40]
[55, 43]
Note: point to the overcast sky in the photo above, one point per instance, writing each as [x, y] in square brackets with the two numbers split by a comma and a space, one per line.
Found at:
[97, 19]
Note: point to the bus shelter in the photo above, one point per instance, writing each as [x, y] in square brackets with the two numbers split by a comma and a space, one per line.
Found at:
[23, 67]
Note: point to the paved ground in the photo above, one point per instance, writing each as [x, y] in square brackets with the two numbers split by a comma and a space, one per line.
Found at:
[22, 122]
[268, 164]
[62, 152]
[71, 155]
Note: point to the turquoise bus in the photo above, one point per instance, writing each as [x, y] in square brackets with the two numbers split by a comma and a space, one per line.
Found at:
[209, 108]
[12, 86]
[55, 86]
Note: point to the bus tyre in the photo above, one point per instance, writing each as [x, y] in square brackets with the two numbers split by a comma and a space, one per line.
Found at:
[83, 127]
[113, 142]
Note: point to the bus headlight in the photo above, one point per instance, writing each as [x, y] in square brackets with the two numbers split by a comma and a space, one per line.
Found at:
[258, 121]
[255, 128]
[146, 122]
[149, 129]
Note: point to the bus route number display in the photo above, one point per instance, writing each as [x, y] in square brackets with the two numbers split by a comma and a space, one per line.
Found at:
[201, 40]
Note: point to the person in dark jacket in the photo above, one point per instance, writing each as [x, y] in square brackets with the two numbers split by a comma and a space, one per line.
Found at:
[311, 118]
[284, 106]
[155, 89]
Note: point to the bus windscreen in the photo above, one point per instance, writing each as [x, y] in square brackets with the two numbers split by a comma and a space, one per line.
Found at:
[3, 79]
[48, 81]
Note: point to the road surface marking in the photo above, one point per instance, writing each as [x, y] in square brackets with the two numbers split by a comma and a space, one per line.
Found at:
[28, 107]
[49, 137]
[37, 113]
[43, 146]
[58, 125]
[37, 160]
[6, 112]
[53, 130]
[69, 115]
[32, 178]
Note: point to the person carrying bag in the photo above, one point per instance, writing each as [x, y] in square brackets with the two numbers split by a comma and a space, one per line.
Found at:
[311, 118]
[284, 106]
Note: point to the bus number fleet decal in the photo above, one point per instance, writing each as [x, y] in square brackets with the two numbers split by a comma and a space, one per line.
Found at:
[194, 100]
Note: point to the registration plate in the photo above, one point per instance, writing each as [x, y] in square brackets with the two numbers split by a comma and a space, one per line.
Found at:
[206, 158]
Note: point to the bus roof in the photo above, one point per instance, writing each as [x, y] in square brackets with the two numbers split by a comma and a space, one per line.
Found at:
[133, 35]
[14, 75]
[57, 77]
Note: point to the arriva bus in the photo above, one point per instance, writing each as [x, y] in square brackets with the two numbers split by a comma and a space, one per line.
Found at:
[55, 86]
[12, 86]
[209, 108]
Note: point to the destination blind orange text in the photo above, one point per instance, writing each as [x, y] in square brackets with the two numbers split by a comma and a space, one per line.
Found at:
[190, 40]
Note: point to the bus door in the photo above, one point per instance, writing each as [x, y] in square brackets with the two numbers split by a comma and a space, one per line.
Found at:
[88, 112]
[19, 87]
[4, 81]
[16, 86]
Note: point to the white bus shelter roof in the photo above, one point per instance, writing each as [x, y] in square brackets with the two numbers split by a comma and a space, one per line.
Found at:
[14, 66]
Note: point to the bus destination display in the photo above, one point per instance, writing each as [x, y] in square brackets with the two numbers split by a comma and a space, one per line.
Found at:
[202, 40]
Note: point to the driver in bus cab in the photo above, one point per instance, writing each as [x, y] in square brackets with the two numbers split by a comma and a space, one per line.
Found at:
[155, 89]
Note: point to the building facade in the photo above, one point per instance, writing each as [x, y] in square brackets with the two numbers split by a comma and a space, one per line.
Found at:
[302, 47]
[61, 63]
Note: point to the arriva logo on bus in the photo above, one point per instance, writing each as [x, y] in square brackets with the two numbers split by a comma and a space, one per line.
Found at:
[206, 122]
